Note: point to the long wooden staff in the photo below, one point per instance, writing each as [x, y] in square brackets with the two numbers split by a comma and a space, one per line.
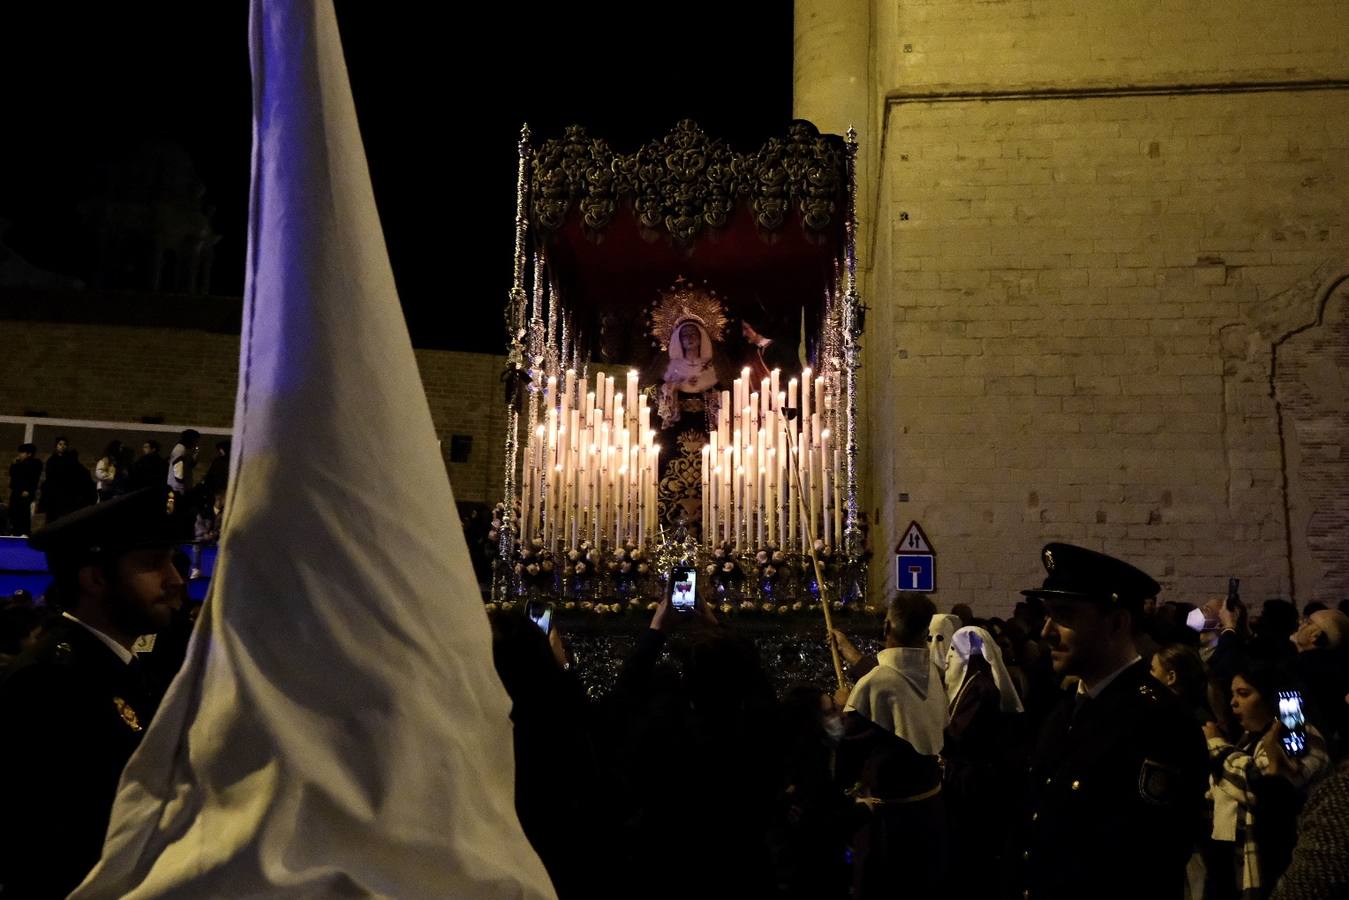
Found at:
[815, 560]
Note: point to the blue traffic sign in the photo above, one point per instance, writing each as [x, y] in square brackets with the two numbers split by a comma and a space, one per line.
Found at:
[915, 572]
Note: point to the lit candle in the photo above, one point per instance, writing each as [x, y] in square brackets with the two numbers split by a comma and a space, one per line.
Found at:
[838, 504]
[727, 498]
[569, 389]
[550, 392]
[819, 397]
[825, 478]
[630, 395]
[774, 386]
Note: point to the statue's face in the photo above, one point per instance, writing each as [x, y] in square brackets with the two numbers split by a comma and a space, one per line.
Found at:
[690, 341]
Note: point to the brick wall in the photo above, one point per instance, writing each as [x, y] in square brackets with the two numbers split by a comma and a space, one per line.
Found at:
[188, 376]
[1096, 223]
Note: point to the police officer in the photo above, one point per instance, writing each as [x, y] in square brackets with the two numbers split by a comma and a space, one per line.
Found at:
[1117, 777]
[74, 707]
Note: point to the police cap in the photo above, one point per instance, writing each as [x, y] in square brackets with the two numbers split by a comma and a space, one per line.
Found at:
[1077, 574]
[136, 520]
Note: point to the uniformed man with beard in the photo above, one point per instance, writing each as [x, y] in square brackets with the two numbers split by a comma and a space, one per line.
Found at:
[74, 707]
[1117, 778]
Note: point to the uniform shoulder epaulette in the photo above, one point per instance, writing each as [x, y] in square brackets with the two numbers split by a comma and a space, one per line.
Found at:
[61, 653]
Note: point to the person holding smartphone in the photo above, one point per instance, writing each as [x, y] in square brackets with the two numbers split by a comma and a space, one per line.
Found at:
[1259, 783]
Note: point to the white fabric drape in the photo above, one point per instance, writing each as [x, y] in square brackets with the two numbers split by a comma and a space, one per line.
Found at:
[939, 633]
[337, 728]
[966, 642]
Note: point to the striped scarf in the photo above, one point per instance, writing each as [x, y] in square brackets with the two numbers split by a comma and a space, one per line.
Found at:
[1235, 770]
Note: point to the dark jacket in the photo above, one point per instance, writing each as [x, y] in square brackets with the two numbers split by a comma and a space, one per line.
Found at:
[1116, 795]
[24, 475]
[73, 714]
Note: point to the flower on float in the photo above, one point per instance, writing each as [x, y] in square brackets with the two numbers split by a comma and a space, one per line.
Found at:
[570, 604]
[625, 568]
[532, 568]
[490, 607]
[587, 605]
[719, 553]
[761, 557]
[712, 569]
[727, 608]
[728, 567]
[767, 607]
[580, 568]
[783, 610]
[769, 572]
[585, 545]
[779, 557]
[819, 546]
[519, 569]
[547, 565]
[620, 553]
[573, 555]
[537, 543]
[643, 568]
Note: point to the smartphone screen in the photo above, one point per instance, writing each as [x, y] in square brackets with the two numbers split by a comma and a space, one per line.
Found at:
[683, 589]
[541, 614]
[1294, 724]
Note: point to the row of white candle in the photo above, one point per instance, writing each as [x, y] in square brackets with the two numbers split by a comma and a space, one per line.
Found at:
[751, 463]
[591, 466]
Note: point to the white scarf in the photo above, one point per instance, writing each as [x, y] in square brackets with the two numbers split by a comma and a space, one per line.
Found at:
[963, 646]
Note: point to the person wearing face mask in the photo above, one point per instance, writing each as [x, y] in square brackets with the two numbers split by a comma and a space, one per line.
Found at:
[809, 841]
[1257, 788]
[1116, 780]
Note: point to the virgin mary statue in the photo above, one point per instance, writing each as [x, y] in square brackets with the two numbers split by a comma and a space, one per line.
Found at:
[687, 323]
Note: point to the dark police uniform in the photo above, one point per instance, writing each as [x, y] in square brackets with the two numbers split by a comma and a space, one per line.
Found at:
[72, 713]
[1116, 783]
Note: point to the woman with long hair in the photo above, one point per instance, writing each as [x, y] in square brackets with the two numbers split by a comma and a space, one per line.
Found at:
[1179, 669]
[1257, 787]
[106, 472]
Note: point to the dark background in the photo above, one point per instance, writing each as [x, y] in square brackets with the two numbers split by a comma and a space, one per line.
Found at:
[440, 92]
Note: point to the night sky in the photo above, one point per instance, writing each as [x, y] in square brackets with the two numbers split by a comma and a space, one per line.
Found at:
[440, 98]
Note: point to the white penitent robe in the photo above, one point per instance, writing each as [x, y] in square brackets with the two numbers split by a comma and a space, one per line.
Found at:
[904, 695]
[337, 729]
